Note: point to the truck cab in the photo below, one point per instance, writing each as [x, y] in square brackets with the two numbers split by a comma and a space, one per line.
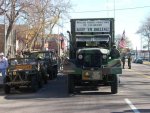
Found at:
[90, 63]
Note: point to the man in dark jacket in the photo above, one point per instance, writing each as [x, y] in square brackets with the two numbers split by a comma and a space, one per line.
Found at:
[114, 53]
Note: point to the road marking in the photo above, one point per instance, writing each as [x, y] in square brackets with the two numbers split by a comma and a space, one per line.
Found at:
[131, 106]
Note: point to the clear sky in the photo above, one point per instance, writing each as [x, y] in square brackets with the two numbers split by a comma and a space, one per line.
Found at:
[129, 14]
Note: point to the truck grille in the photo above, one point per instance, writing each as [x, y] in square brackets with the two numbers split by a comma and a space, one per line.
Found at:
[92, 60]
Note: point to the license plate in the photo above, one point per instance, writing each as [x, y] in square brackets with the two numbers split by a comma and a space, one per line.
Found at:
[24, 67]
[91, 75]
[97, 75]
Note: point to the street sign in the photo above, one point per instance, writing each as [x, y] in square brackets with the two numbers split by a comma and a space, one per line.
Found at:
[92, 26]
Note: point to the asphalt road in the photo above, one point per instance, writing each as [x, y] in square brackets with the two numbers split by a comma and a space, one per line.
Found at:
[133, 97]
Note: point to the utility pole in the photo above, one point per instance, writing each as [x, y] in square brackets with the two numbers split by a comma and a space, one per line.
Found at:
[114, 9]
[136, 53]
[5, 41]
[58, 41]
[149, 49]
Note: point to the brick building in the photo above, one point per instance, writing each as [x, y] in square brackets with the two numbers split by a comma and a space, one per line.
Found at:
[17, 40]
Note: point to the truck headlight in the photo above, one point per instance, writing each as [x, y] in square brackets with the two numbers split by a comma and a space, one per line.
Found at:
[27, 72]
[80, 57]
[104, 56]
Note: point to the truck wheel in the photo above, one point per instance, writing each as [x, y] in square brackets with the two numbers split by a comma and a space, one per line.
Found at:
[40, 82]
[45, 80]
[6, 89]
[70, 84]
[114, 84]
[50, 75]
[34, 83]
[55, 73]
[44, 76]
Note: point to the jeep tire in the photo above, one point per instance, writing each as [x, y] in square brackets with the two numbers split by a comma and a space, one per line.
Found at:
[70, 84]
[114, 84]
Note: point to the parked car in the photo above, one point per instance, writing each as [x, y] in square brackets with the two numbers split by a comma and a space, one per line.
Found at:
[138, 60]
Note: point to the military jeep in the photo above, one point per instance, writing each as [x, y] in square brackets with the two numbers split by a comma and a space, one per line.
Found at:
[22, 72]
[48, 61]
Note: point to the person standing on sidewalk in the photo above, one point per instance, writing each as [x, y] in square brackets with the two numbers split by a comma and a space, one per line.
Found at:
[123, 59]
[129, 58]
[3, 65]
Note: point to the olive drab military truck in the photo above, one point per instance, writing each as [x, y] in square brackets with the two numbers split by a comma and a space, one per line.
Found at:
[89, 64]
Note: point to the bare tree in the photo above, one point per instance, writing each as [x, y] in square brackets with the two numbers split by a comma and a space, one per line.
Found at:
[38, 15]
[144, 30]
[43, 15]
[12, 9]
[1, 7]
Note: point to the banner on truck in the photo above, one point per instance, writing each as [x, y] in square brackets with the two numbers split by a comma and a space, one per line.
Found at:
[92, 26]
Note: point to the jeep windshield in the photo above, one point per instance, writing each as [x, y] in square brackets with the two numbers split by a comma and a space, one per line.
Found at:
[20, 61]
[42, 55]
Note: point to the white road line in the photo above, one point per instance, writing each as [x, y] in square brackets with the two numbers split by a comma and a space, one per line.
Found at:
[131, 106]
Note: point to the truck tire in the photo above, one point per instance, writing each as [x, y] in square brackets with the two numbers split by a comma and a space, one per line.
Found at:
[70, 84]
[7, 89]
[34, 83]
[6, 86]
[50, 75]
[44, 75]
[114, 84]
[45, 79]
[56, 72]
[40, 81]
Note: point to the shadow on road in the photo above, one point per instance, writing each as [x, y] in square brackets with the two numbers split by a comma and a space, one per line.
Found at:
[54, 89]
[131, 111]
[94, 93]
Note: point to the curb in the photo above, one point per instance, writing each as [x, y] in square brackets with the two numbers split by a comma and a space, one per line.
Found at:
[146, 63]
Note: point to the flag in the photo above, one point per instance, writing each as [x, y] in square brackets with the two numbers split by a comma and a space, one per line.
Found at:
[62, 43]
[122, 42]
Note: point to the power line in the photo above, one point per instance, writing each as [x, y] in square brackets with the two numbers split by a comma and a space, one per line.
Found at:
[119, 9]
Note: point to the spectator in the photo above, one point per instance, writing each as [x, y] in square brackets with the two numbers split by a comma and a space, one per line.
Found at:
[3, 64]
[123, 58]
[129, 59]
